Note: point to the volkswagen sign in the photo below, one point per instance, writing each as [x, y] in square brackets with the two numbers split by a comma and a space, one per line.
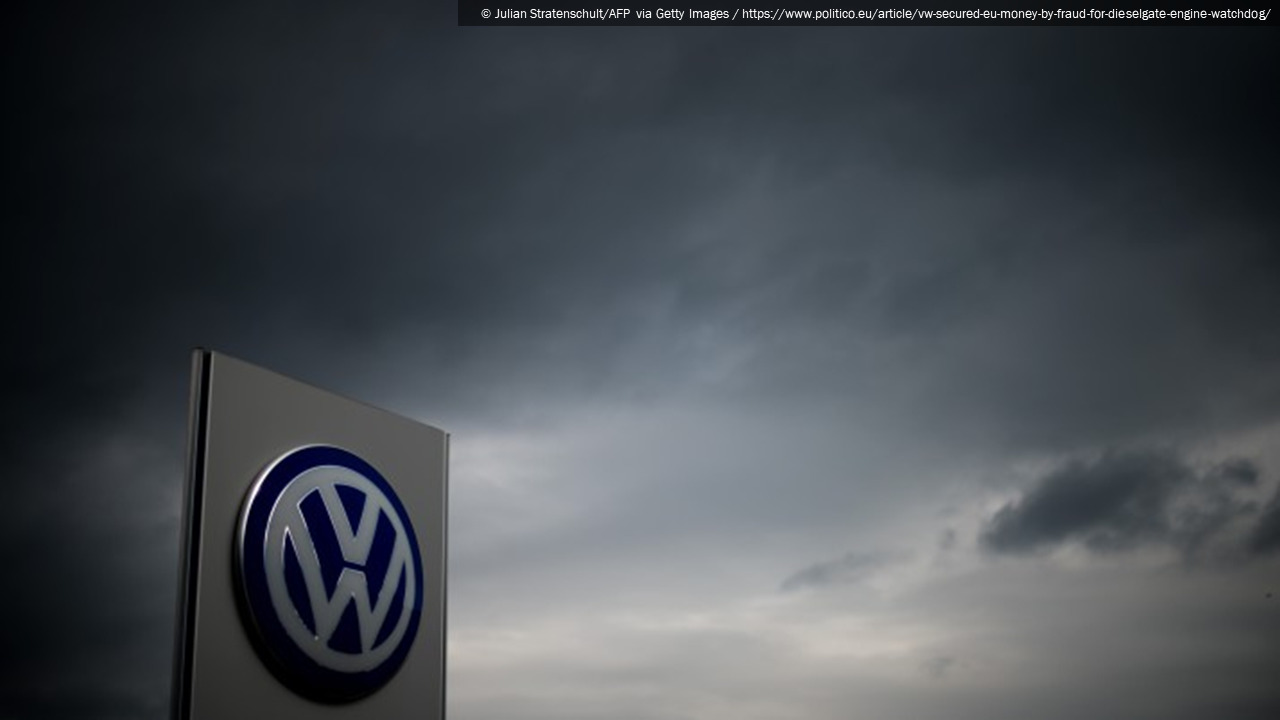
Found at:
[314, 548]
[330, 573]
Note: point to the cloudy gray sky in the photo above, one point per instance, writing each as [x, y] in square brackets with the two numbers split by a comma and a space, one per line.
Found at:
[792, 373]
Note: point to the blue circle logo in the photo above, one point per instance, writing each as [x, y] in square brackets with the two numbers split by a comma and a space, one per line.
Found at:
[330, 573]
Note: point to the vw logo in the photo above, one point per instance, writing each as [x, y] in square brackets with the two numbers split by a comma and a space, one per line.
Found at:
[330, 573]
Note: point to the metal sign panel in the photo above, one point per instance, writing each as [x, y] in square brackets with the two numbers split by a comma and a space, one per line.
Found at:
[313, 581]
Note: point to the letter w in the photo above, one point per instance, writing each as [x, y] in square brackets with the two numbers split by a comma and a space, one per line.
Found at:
[352, 585]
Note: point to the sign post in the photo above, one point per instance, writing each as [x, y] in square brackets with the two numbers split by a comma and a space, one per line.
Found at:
[313, 559]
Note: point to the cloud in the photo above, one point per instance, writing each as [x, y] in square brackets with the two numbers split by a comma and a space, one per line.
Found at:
[1120, 501]
[94, 560]
[937, 667]
[848, 569]
[947, 539]
[1266, 535]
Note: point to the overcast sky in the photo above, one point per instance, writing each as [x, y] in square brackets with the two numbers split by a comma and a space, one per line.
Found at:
[792, 373]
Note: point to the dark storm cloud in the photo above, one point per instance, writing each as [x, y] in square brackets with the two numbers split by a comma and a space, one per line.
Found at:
[1080, 107]
[1086, 280]
[92, 556]
[1266, 536]
[1123, 500]
[322, 186]
[325, 179]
